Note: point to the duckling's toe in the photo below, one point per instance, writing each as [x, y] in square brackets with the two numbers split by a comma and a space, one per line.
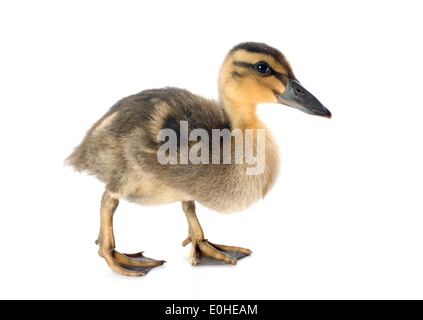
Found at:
[126, 264]
[203, 252]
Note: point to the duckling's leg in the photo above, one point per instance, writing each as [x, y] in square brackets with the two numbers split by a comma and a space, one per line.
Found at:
[125, 264]
[203, 252]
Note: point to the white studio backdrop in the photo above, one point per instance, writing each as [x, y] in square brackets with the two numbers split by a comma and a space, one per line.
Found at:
[345, 218]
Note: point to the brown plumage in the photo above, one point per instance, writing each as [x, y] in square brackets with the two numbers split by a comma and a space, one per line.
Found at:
[121, 150]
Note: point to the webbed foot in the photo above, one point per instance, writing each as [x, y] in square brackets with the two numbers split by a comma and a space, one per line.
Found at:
[126, 264]
[204, 252]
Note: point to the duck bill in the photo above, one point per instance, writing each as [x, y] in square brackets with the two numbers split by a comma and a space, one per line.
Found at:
[298, 97]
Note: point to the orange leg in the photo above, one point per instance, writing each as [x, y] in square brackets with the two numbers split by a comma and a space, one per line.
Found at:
[126, 264]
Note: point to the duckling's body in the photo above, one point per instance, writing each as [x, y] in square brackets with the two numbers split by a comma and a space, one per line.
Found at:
[122, 150]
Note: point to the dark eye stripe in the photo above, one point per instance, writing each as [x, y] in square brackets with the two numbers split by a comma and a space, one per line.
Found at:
[280, 76]
[253, 66]
[243, 64]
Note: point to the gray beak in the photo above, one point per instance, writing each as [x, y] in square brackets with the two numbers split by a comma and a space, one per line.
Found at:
[298, 97]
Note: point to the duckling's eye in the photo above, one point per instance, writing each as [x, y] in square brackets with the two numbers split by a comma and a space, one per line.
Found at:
[262, 67]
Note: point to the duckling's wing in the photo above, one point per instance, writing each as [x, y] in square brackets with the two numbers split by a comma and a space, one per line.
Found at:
[126, 140]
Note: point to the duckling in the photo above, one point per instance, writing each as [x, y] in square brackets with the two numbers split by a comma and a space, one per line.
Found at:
[122, 150]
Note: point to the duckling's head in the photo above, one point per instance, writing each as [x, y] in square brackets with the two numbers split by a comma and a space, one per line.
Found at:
[254, 73]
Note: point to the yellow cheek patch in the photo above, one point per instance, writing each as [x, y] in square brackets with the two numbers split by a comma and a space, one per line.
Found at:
[276, 86]
[254, 90]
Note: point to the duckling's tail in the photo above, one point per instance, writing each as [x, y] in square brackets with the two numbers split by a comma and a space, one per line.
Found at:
[76, 160]
[96, 156]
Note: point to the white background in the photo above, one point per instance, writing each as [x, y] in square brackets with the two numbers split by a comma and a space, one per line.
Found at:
[345, 218]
